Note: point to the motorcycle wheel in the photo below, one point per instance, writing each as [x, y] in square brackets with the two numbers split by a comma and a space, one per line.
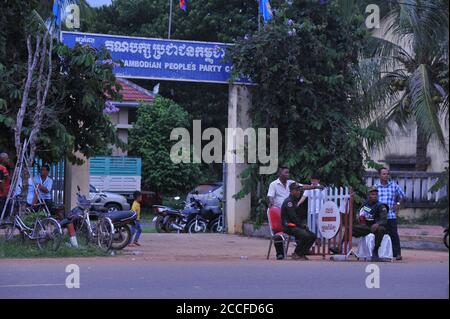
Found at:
[446, 240]
[105, 232]
[199, 227]
[121, 238]
[159, 225]
[217, 226]
[167, 226]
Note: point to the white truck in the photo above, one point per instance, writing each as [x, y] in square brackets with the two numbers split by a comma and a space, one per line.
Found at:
[116, 174]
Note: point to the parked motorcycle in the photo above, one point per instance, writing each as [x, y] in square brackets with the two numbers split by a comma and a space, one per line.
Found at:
[188, 219]
[87, 232]
[123, 221]
[216, 219]
[161, 215]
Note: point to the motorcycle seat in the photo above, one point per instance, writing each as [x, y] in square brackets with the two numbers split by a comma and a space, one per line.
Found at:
[121, 215]
[64, 222]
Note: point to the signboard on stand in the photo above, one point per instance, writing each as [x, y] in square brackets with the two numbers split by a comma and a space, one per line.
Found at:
[329, 220]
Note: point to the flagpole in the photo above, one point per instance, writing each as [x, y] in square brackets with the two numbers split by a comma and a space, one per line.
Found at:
[170, 20]
[259, 15]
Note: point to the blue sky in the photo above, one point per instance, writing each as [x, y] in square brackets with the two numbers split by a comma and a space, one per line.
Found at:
[98, 3]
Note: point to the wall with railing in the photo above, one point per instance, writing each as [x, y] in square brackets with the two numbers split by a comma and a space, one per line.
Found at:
[416, 186]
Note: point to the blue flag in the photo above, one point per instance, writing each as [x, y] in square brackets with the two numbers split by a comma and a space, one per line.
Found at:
[57, 12]
[265, 9]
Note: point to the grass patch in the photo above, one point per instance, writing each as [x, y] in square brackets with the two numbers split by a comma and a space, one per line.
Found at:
[29, 249]
[146, 223]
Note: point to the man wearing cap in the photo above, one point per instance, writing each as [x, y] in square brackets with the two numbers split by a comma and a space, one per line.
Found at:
[294, 225]
[373, 218]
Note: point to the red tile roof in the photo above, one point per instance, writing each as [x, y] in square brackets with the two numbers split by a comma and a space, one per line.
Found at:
[133, 93]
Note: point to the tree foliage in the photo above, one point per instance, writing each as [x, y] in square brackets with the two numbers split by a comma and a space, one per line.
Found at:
[205, 20]
[404, 73]
[150, 138]
[304, 63]
[80, 85]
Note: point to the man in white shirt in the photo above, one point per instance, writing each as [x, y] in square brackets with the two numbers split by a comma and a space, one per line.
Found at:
[313, 194]
[44, 185]
[279, 188]
[31, 190]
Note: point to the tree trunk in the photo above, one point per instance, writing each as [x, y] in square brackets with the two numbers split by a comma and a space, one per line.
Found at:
[33, 58]
[421, 150]
[37, 59]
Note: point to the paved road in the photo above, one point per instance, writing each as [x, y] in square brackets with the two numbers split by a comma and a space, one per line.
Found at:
[109, 278]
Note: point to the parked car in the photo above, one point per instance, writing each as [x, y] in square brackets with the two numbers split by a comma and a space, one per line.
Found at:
[109, 201]
[208, 193]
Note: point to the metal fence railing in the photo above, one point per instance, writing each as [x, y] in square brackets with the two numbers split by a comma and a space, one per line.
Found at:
[416, 186]
[343, 198]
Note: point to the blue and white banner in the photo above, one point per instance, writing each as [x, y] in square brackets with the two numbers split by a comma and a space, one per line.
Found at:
[161, 59]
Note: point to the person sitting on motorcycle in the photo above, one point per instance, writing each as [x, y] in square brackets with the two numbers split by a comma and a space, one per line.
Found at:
[137, 229]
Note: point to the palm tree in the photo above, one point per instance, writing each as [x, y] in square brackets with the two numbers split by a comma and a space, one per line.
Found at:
[404, 72]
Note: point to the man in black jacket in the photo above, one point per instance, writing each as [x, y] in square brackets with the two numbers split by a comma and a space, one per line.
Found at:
[294, 225]
[372, 219]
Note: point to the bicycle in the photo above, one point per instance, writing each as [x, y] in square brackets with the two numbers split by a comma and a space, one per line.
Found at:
[101, 233]
[45, 230]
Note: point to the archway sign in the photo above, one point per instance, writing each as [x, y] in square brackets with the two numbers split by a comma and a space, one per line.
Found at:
[161, 59]
[192, 61]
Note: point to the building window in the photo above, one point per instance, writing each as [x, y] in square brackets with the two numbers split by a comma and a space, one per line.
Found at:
[402, 167]
[132, 115]
[403, 163]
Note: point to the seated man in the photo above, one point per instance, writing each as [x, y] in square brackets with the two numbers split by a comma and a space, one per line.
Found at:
[372, 219]
[44, 184]
[294, 225]
[31, 191]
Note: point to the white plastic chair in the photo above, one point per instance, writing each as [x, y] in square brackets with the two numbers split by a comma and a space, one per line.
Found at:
[367, 244]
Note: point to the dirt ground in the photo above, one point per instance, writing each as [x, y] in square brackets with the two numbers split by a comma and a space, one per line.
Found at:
[217, 247]
[220, 247]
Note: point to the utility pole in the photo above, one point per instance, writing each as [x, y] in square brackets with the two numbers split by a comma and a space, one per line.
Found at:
[170, 19]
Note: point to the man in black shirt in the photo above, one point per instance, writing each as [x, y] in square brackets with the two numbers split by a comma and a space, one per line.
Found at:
[294, 225]
[373, 218]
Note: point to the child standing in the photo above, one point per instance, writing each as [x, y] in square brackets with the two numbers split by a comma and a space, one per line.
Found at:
[136, 207]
